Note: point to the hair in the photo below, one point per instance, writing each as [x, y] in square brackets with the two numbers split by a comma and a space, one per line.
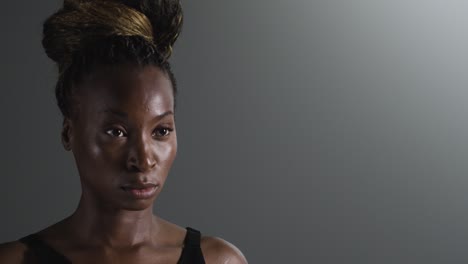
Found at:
[85, 35]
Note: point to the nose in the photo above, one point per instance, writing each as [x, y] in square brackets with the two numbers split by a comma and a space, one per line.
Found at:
[141, 156]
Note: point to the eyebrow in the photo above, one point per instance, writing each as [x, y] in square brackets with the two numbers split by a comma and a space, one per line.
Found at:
[125, 115]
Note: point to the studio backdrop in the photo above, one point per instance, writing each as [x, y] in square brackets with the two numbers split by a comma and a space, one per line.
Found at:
[310, 131]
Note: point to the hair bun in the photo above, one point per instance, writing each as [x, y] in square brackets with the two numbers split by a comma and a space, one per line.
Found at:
[165, 16]
[79, 22]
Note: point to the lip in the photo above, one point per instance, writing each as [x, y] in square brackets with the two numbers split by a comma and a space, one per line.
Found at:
[140, 190]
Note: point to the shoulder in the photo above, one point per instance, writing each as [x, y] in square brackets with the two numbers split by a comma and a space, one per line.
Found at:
[12, 252]
[218, 250]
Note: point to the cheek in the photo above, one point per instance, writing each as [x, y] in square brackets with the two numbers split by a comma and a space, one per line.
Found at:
[104, 154]
[167, 153]
[94, 156]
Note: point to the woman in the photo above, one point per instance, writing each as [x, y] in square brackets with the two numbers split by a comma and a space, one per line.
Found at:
[116, 92]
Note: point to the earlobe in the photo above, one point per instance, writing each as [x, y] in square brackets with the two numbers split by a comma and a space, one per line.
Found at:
[67, 134]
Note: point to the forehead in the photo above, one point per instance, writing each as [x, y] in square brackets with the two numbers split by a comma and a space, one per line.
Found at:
[129, 89]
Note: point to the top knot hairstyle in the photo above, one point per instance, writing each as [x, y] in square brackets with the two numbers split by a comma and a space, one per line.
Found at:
[86, 34]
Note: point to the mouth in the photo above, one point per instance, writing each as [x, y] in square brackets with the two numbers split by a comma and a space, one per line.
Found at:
[140, 191]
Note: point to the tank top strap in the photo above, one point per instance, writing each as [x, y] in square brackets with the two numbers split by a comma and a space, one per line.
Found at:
[44, 254]
[41, 252]
[192, 253]
[192, 238]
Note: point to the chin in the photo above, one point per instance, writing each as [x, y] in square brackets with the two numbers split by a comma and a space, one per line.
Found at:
[137, 205]
[136, 208]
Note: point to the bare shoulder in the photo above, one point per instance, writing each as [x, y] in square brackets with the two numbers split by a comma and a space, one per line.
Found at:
[12, 252]
[219, 251]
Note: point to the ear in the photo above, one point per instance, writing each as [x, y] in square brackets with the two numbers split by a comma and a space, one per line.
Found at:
[67, 135]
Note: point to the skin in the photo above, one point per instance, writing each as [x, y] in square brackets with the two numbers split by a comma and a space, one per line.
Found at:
[122, 136]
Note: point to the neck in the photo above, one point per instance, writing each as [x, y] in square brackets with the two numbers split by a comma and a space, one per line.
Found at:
[113, 228]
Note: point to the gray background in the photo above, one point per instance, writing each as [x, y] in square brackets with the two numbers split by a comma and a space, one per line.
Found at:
[328, 131]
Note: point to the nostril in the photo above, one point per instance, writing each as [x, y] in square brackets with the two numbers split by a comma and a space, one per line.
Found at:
[141, 156]
[141, 165]
[134, 168]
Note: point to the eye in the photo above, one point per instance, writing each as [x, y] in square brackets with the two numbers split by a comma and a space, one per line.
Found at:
[162, 132]
[115, 132]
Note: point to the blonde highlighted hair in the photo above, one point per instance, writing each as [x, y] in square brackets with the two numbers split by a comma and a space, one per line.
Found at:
[86, 33]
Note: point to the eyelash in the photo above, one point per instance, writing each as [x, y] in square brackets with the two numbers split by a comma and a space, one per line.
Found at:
[168, 129]
[109, 132]
[122, 133]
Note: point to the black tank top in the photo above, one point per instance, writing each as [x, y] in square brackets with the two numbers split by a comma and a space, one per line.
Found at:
[41, 253]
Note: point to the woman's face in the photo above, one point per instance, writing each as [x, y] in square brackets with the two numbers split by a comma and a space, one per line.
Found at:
[123, 136]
